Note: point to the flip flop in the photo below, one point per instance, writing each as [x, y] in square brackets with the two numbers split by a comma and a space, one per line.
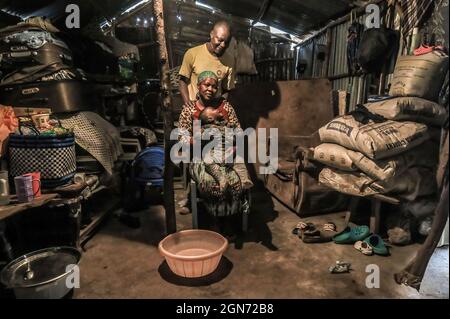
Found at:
[320, 234]
[377, 244]
[352, 235]
[302, 227]
[364, 248]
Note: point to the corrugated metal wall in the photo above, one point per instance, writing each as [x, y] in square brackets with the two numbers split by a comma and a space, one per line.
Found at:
[337, 68]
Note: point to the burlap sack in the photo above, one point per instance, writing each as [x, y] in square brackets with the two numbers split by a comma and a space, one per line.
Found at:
[382, 170]
[409, 185]
[335, 156]
[410, 109]
[420, 76]
[375, 140]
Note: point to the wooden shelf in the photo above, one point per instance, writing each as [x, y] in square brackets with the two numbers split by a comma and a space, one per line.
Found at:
[15, 207]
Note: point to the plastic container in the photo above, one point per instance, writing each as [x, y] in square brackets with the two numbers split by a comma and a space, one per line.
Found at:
[193, 253]
[148, 166]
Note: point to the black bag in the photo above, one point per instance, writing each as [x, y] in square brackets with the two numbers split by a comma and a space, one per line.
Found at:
[376, 47]
[60, 96]
[32, 47]
[353, 42]
[14, 57]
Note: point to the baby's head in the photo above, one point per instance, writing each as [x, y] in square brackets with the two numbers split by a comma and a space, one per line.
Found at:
[210, 115]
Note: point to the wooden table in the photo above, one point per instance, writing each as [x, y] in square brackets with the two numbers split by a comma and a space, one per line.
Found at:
[14, 207]
[71, 196]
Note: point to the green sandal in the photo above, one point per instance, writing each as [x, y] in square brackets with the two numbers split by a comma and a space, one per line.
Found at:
[377, 244]
[352, 235]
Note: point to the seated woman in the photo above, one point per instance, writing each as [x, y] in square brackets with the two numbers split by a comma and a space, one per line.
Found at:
[211, 118]
[221, 186]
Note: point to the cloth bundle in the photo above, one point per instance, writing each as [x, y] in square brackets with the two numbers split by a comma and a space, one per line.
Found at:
[95, 135]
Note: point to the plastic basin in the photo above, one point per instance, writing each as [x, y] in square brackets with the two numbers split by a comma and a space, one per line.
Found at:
[193, 253]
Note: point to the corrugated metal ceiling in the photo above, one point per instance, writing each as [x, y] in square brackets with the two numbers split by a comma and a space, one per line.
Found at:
[294, 16]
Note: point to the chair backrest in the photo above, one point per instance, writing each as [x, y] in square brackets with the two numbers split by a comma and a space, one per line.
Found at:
[297, 108]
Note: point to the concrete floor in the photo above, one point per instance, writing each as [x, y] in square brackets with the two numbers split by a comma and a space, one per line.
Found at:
[121, 262]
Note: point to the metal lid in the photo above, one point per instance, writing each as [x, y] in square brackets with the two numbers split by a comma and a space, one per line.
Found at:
[39, 267]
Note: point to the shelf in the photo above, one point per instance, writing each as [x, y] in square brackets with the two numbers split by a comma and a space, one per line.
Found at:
[15, 207]
[103, 207]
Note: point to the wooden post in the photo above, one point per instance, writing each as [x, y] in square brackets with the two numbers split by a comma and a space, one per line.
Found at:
[169, 198]
[413, 273]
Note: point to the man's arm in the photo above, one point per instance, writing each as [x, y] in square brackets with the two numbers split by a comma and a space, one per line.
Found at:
[228, 84]
[185, 76]
[183, 87]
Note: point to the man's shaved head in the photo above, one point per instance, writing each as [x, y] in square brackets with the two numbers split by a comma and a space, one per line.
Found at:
[221, 24]
[220, 37]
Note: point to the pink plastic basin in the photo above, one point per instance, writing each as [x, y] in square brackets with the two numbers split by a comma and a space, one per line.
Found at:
[193, 253]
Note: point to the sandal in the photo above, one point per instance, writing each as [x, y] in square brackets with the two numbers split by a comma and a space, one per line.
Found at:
[302, 227]
[321, 234]
[377, 244]
[352, 235]
[364, 248]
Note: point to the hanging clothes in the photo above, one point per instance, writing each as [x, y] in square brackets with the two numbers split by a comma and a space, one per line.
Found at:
[412, 13]
[353, 41]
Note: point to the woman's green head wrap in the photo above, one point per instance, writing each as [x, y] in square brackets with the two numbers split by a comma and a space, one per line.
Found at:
[205, 75]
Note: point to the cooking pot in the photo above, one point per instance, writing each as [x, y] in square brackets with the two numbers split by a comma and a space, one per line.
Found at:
[41, 274]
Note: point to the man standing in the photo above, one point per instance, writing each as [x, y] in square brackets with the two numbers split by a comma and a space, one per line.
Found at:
[208, 57]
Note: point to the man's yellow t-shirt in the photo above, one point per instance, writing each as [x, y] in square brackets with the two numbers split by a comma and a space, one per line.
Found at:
[198, 59]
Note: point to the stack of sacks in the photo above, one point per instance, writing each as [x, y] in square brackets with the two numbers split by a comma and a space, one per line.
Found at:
[391, 151]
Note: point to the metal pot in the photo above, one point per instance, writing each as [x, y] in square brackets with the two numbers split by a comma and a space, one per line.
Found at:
[41, 274]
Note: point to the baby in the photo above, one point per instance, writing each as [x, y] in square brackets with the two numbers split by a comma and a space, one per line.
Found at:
[212, 118]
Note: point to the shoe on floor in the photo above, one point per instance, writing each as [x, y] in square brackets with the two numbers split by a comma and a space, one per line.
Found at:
[377, 244]
[352, 235]
[319, 234]
[364, 248]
